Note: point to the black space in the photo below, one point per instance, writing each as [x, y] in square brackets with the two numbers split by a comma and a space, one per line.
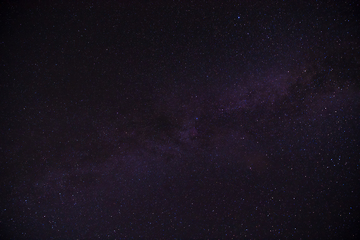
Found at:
[180, 120]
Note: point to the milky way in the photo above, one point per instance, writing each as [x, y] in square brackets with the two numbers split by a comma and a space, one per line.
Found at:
[183, 120]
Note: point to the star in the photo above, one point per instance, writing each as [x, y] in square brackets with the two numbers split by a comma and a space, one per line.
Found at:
[159, 121]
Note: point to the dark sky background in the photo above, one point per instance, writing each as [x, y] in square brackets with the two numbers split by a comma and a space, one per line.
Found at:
[180, 120]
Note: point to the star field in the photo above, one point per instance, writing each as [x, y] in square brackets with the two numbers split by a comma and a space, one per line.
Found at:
[180, 120]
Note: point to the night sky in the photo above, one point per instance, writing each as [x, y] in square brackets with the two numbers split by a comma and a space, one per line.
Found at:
[180, 120]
